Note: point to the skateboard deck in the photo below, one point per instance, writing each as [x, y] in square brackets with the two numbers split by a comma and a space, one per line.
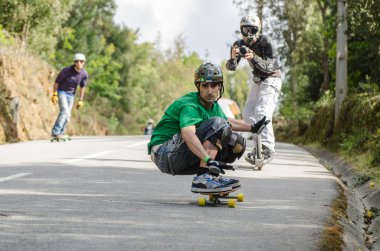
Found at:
[219, 198]
[60, 138]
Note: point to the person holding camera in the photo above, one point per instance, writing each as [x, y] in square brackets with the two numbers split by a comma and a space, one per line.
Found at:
[258, 50]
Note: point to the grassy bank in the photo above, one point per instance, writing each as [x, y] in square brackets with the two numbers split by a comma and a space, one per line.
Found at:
[356, 136]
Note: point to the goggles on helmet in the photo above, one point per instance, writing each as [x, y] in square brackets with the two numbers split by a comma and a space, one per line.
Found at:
[249, 30]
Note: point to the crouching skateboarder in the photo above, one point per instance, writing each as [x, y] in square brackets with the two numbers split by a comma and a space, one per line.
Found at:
[195, 137]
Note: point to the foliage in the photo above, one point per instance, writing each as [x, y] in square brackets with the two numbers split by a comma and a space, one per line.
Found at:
[236, 84]
[35, 23]
[363, 43]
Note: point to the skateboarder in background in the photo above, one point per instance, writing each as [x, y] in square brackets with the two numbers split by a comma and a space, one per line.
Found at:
[149, 128]
[64, 91]
[195, 137]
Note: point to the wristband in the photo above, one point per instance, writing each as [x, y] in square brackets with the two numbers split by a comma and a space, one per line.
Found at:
[206, 158]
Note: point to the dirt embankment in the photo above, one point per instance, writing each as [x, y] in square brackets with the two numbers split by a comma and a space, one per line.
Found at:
[25, 88]
[26, 112]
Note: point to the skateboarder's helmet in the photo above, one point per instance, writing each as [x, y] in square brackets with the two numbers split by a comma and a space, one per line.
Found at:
[250, 27]
[210, 73]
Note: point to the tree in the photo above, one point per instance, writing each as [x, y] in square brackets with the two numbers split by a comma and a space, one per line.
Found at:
[35, 23]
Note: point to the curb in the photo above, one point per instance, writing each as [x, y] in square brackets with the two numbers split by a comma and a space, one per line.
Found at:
[361, 228]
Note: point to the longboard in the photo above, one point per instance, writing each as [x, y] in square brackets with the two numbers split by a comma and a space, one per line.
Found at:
[60, 138]
[218, 198]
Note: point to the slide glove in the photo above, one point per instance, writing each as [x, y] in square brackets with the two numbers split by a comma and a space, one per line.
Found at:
[259, 126]
[54, 98]
[216, 167]
[79, 104]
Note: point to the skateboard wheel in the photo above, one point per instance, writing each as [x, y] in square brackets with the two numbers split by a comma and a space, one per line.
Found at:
[240, 197]
[211, 197]
[231, 203]
[202, 201]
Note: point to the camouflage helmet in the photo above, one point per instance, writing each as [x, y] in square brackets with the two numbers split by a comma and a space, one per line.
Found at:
[250, 26]
[208, 72]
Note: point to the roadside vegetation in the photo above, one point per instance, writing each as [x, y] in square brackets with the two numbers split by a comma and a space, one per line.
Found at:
[132, 82]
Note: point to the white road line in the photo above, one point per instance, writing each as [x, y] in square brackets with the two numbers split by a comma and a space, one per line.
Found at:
[87, 157]
[14, 176]
[145, 142]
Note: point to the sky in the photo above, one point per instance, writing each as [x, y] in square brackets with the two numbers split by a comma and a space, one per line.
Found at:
[207, 26]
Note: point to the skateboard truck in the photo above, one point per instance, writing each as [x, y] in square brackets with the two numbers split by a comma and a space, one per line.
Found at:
[216, 199]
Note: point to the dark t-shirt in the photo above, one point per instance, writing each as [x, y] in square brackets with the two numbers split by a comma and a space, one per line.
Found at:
[68, 79]
[183, 112]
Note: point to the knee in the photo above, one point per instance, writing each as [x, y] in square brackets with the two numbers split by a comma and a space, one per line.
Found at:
[218, 122]
[234, 146]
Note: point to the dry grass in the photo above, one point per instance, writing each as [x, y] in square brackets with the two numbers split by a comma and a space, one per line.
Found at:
[332, 235]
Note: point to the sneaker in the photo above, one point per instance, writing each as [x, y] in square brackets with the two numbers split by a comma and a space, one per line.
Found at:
[206, 183]
[229, 182]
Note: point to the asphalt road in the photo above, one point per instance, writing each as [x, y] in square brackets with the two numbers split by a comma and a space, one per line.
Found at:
[104, 193]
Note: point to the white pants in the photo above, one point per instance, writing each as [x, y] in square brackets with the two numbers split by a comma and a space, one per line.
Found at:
[262, 101]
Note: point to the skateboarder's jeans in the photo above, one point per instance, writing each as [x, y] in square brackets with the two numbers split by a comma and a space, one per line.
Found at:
[174, 157]
[261, 101]
[65, 102]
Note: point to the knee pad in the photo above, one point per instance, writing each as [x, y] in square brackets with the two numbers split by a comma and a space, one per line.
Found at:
[237, 144]
[233, 146]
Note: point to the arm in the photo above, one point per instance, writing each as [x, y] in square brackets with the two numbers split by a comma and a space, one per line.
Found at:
[192, 141]
[234, 60]
[268, 62]
[239, 125]
[81, 93]
[55, 88]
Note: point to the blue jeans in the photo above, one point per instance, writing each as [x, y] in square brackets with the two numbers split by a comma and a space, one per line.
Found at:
[65, 101]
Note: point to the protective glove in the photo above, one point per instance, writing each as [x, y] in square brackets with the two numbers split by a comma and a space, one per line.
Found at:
[54, 98]
[79, 104]
[216, 167]
[255, 128]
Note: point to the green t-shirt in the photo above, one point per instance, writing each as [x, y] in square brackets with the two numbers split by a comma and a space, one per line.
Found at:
[183, 112]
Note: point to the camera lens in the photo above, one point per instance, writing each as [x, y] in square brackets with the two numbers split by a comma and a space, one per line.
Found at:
[242, 51]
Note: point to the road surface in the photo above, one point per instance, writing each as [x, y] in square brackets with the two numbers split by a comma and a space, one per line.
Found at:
[104, 193]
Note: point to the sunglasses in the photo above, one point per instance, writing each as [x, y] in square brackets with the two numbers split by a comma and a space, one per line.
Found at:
[79, 61]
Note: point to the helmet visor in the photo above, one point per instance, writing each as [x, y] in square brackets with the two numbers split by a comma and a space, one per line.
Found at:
[249, 30]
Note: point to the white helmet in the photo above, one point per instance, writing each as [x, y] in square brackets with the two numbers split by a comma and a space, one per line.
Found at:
[79, 56]
[250, 27]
